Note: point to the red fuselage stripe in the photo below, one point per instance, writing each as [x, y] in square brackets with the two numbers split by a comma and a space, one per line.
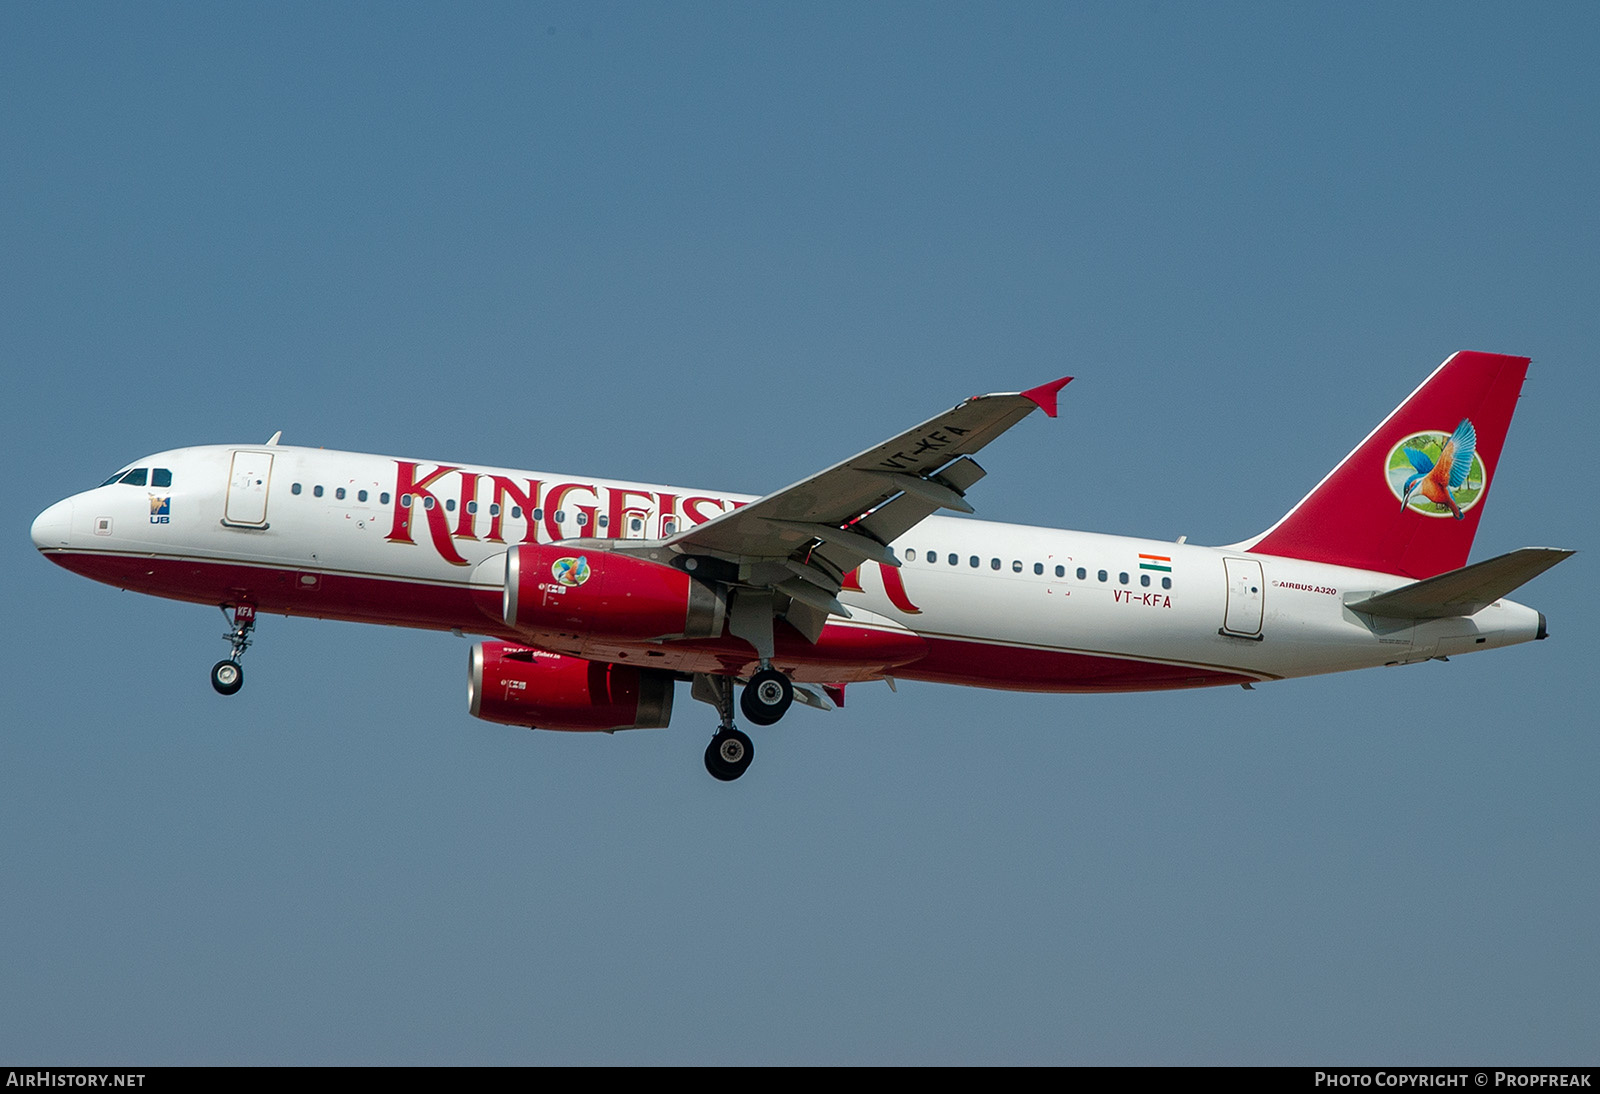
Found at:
[369, 598]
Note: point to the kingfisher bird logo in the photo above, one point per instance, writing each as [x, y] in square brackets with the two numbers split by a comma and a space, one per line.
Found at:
[1438, 474]
[569, 571]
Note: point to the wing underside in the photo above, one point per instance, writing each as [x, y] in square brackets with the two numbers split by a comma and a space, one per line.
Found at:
[786, 554]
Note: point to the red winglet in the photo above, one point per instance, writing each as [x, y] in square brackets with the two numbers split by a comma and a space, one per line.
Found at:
[1045, 394]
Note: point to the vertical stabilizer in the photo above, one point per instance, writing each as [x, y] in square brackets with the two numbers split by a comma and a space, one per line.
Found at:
[1408, 499]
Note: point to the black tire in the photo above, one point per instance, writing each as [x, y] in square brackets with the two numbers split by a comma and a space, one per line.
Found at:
[728, 755]
[766, 698]
[227, 677]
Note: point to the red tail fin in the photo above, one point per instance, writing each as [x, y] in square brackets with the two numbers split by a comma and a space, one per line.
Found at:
[1408, 499]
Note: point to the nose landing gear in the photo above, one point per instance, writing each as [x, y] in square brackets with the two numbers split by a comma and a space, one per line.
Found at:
[227, 676]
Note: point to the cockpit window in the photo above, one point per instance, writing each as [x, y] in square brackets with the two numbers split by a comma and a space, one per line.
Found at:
[138, 476]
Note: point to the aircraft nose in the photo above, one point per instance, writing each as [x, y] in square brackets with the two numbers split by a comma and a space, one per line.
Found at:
[53, 527]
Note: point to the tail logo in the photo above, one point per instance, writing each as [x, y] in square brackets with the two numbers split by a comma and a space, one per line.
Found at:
[1438, 474]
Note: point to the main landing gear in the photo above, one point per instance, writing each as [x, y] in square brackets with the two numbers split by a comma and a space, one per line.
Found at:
[228, 676]
[730, 752]
[765, 699]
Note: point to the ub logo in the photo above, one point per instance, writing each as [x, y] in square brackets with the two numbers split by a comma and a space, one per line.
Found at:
[160, 509]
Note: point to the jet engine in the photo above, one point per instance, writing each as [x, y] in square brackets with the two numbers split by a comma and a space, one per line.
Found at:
[518, 686]
[567, 590]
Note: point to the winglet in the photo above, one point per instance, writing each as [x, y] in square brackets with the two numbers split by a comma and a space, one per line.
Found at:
[1045, 394]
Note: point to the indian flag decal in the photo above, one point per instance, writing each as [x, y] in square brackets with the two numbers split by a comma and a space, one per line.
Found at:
[1156, 562]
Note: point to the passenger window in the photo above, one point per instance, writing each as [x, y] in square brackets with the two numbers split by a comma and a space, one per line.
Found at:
[669, 526]
[538, 514]
[974, 562]
[1038, 568]
[955, 560]
[339, 493]
[1016, 566]
[1122, 578]
[1144, 579]
[427, 502]
[1166, 583]
[317, 491]
[472, 507]
[383, 498]
[605, 522]
[636, 525]
[295, 489]
[561, 516]
[1061, 571]
[494, 509]
[1083, 574]
[583, 519]
[911, 554]
[405, 501]
[361, 495]
[161, 476]
[449, 503]
[1101, 575]
[994, 564]
[516, 512]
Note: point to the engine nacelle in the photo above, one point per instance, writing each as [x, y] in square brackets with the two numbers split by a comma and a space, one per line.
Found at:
[550, 588]
[518, 686]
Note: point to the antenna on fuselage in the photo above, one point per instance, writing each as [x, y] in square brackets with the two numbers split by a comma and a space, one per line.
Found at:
[272, 440]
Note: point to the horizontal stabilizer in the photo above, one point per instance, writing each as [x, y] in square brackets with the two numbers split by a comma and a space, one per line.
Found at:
[1464, 591]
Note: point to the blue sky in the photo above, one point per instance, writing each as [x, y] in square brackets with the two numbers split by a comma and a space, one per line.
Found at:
[728, 245]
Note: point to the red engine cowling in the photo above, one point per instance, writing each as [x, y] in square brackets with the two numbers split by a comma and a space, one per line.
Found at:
[550, 588]
[519, 686]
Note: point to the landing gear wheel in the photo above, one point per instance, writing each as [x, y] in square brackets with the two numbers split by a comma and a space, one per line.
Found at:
[227, 677]
[766, 697]
[728, 755]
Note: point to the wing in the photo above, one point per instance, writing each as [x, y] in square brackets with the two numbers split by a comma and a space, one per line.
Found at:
[1419, 460]
[799, 542]
[1464, 441]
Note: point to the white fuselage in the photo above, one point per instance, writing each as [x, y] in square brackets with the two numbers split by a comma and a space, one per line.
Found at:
[307, 531]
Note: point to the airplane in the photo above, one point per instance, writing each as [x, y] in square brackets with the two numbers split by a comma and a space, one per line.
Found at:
[596, 597]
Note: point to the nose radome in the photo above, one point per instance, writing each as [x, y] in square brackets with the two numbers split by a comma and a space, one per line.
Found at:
[53, 527]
